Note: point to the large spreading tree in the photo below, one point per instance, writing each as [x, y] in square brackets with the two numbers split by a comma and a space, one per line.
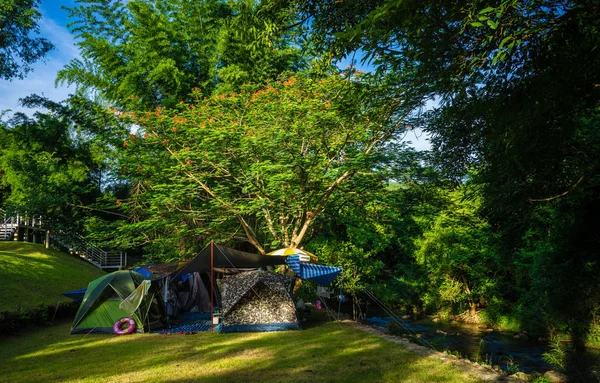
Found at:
[258, 165]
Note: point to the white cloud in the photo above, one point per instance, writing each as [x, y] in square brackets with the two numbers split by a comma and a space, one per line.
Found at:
[60, 37]
[41, 79]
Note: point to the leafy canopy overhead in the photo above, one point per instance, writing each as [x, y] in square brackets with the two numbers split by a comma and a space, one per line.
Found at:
[159, 50]
[267, 162]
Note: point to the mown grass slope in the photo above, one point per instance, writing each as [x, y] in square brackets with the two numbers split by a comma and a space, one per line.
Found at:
[331, 352]
[31, 275]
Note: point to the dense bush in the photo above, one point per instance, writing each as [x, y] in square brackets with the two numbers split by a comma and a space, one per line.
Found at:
[43, 315]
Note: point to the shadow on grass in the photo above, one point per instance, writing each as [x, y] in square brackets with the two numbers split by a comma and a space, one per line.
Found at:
[332, 352]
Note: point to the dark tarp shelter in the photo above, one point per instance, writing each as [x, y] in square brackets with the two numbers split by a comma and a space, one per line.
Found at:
[190, 285]
[258, 301]
[225, 258]
[117, 295]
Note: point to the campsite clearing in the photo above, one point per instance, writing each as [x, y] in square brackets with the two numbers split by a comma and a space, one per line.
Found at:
[331, 352]
[31, 275]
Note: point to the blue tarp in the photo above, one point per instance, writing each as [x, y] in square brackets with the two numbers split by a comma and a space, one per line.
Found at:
[188, 322]
[185, 328]
[323, 275]
[145, 272]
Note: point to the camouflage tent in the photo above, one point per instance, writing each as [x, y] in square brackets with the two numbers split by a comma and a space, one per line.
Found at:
[258, 301]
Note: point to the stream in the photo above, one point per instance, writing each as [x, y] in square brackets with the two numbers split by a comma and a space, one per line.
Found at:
[493, 347]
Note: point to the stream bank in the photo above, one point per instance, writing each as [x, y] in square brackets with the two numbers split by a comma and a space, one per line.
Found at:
[485, 373]
[504, 351]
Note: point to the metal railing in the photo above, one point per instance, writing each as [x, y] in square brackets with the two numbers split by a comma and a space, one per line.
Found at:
[80, 246]
[10, 223]
[72, 241]
[7, 226]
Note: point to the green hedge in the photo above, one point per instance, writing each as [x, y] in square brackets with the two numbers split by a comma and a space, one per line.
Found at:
[43, 315]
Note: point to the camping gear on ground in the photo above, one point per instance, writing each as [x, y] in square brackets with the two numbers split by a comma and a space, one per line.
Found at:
[323, 275]
[258, 301]
[118, 328]
[303, 255]
[115, 296]
[187, 323]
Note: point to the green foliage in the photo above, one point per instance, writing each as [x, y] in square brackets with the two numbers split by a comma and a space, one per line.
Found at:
[481, 356]
[459, 254]
[53, 162]
[593, 339]
[19, 49]
[371, 234]
[534, 141]
[498, 315]
[154, 53]
[511, 366]
[14, 322]
[556, 356]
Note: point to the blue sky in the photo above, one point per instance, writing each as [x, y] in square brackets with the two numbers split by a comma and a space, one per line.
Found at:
[53, 26]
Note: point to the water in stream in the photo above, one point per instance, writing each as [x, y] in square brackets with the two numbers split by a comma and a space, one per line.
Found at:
[497, 348]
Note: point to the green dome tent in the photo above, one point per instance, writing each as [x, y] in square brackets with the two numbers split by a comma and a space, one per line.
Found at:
[117, 295]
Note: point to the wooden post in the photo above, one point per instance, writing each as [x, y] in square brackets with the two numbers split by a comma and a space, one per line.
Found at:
[47, 239]
[212, 285]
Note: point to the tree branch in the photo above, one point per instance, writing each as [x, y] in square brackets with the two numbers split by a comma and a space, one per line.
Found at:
[557, 196]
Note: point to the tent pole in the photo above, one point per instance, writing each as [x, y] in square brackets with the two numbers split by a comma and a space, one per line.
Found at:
[340, 304]
[212, 287]
[166, 297]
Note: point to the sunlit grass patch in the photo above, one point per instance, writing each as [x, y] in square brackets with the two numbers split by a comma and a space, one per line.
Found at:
[327, 353]
[31, 275]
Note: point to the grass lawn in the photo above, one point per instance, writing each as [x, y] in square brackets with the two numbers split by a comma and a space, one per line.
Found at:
[31, 275]
[331, 352]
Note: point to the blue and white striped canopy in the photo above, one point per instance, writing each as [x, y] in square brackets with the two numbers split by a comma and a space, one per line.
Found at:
[323, 275]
